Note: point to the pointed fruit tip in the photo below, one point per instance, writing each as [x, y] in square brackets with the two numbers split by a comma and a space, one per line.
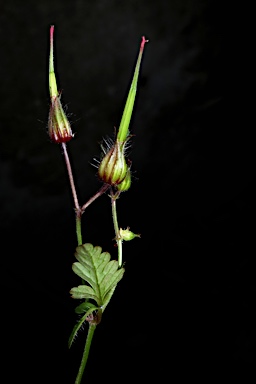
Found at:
[143, 42]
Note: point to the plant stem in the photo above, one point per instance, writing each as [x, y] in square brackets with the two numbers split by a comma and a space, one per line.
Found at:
[73, 189]
[87, 346]
[71, 179]
[102, 190]
[79, 211]
[116, 227]
[78, 230]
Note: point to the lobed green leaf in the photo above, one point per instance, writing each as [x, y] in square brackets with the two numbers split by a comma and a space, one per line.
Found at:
[98, 271]
[84, 292]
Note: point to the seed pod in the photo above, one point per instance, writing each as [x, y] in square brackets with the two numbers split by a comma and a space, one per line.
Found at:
[113, 168]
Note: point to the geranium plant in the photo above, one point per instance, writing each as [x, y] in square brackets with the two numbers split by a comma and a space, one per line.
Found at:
[99, 273]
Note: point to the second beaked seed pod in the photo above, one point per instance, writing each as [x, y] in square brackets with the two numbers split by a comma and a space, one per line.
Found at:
[113, 167]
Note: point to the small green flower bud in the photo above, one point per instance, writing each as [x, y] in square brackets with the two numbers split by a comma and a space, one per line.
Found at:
[127, 235]
[113, 168]
[126, 183]
[59, 128]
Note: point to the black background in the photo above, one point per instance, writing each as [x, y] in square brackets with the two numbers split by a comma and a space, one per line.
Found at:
[186, 305]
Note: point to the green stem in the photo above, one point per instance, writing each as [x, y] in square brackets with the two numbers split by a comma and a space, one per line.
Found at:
[116, 227]
[79, 213]
[87, 346]
[78, 230]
